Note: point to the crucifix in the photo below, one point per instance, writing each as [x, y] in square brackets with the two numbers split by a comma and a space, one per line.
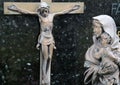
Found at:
[46, 10]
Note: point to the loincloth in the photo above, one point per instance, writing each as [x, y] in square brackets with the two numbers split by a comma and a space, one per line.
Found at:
[46, 41]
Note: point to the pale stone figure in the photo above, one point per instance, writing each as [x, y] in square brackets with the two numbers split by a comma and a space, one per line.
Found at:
[108, 62]
[46, 42]
[102, 59]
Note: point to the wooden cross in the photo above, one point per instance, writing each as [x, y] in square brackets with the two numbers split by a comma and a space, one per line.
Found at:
[54, 6]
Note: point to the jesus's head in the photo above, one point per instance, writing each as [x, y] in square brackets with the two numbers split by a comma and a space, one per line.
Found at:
[43, 9]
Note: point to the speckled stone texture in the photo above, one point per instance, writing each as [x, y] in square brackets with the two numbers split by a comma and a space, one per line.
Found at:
[19, 58]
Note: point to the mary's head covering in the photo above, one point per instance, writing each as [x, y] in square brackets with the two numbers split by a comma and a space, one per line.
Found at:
[109, 27]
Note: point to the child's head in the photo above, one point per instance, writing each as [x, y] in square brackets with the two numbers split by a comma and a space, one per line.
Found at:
[105, 39]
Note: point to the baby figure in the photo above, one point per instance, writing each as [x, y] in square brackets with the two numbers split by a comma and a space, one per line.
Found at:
[108, 69]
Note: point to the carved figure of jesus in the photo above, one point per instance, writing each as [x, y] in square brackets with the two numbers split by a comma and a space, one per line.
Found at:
[46, 42]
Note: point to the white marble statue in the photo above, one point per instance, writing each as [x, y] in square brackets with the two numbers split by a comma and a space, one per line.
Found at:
[102, 59]
[46, 42]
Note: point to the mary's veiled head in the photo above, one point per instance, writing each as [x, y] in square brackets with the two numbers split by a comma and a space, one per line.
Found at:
[109, 27]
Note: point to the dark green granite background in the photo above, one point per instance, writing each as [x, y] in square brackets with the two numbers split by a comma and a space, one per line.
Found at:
[19, 59]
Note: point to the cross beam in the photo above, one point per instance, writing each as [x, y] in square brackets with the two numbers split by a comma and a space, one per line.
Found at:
[54, 6]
